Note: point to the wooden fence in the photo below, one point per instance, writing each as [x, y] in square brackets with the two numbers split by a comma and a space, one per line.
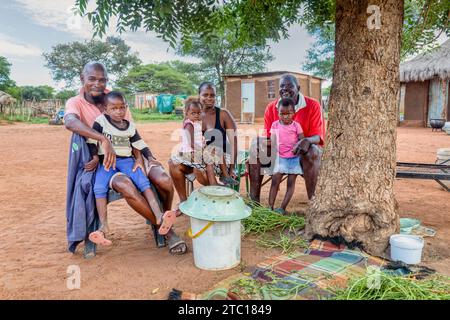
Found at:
[29, 109]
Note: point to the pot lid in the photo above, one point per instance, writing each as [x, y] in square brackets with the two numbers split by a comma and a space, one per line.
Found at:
[215, 203]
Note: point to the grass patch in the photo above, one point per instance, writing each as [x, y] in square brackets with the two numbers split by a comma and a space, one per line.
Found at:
[275, 288]
[263, 220]
[382, 286]
[286, 243]
[152, 115]
[24, 119]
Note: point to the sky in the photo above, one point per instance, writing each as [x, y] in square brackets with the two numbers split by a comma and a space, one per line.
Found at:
[29, 28]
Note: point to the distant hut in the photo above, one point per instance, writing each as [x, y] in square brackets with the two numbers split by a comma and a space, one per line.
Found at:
[424, 91]
[247, 95]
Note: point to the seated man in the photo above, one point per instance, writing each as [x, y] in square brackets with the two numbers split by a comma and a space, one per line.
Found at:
[81, 112]
[308, 114]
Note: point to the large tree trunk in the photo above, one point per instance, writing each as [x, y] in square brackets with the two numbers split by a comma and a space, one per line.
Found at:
[354, 196]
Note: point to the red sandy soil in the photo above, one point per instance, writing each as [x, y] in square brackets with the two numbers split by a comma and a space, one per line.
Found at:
[33, 248]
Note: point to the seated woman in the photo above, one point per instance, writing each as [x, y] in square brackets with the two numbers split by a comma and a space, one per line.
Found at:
[219, 130]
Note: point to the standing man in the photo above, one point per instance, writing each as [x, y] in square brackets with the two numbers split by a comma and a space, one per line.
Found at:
[81, 112]
[308, 114]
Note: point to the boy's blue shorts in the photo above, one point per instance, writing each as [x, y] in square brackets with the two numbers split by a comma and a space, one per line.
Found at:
[124, 165]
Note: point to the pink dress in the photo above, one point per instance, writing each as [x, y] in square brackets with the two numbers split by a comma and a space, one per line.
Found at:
[287, 137]
[186, 138]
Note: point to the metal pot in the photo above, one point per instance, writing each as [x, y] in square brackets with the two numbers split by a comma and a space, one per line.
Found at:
[437, 123]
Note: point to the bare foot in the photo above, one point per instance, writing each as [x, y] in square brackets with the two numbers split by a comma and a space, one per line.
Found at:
[98, 237]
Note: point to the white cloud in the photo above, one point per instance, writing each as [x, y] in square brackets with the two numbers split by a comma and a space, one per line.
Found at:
[9, 47]
[58, 15]
[290, 53]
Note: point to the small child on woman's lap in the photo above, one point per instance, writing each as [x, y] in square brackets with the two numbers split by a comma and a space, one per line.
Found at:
[126, 143]
[285, 134]
[192, 151]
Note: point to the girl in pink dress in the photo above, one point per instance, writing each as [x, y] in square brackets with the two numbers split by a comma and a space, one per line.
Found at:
[285, 134]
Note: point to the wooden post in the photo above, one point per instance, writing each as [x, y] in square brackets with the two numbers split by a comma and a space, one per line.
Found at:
[444, 84]
[309, 87]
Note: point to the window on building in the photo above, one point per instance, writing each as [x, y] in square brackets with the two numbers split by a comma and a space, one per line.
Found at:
[271, 89]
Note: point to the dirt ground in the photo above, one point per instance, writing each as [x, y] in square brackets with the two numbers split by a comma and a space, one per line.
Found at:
[33, 248]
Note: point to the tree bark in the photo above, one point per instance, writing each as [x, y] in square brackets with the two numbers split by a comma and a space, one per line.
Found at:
[354, 195]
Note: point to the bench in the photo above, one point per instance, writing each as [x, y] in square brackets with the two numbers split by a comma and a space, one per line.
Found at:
[437, 172]
[405, 170]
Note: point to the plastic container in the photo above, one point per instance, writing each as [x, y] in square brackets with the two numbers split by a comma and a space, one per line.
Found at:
[406, 248]
[215, 216]
[408, 224]
[442, 155]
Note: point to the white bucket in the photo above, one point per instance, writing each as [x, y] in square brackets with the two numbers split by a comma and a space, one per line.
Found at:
[406, 248]
[218, 247]
[442, 155]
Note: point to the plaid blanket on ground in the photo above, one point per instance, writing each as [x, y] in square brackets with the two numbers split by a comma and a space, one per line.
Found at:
[302, 275]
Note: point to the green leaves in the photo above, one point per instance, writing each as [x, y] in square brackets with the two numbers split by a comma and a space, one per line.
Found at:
[5, 69]
[66, 61]
[424, 21]
[159, 78]
[263, 220]
[37, 93]
[320, 57]
[391, 287]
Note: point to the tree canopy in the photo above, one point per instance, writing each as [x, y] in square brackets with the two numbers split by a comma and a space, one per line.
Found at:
[255, 21]
[5, 70]
[156, 78]
[6, 84]
[66, 61]
[65, 94]
[224, 56]
[37, 92]
[423, 23]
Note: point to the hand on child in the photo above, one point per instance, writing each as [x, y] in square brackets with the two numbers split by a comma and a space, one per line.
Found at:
[139, 164]
[302, 147]
[110, 155]
[91, 165]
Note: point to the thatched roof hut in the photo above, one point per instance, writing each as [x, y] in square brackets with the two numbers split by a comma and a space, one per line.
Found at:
[424, 92]
[435, 64]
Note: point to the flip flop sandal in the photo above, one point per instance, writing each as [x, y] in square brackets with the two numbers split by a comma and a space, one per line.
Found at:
[168, 220]
[175, 242]
[98, 237]
[280, 211]
[90, 249]
[178, 213]
[159, 239]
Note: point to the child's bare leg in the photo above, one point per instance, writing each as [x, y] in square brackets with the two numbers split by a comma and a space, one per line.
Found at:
[275, 185]
[156, 213]
[290, 191]
[224, 168]
[164, 221]
[99, 236]
[101, 204]
[211, 174]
